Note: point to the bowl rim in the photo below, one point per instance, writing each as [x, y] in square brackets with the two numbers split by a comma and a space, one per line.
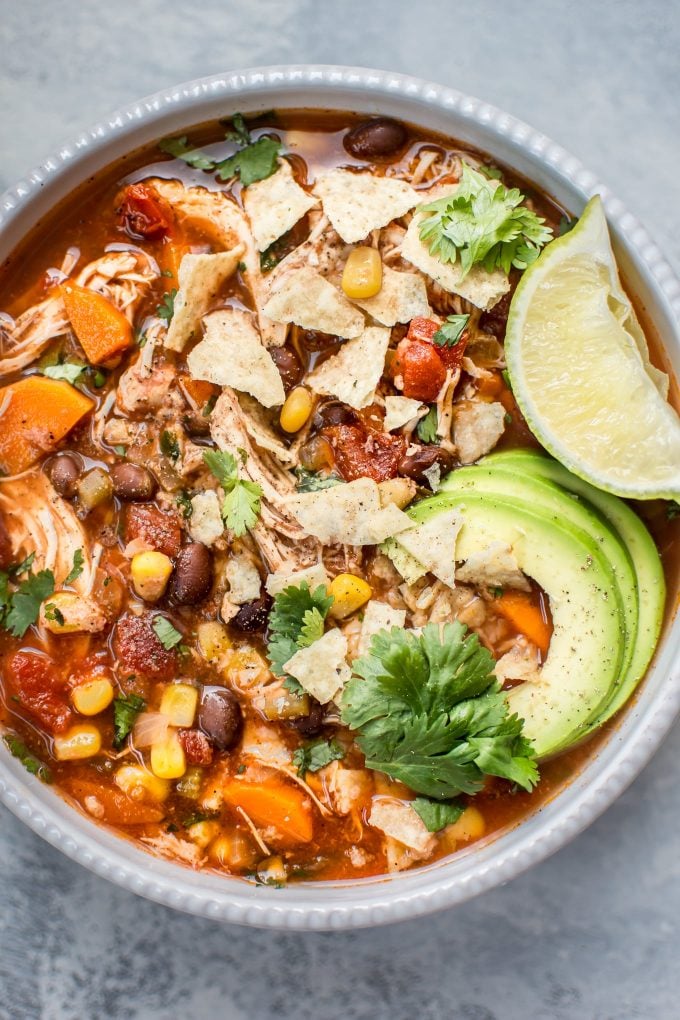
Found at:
[338, 905]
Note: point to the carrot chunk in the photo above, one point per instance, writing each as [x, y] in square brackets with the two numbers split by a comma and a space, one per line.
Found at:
[36, 413]
[273, 803]
[100, 327]
[526, 617]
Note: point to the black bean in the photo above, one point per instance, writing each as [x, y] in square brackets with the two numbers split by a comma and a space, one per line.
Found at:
[310, 725]
[133, 483]
[414, 465]
[379, 138]
[334, 413]
[253, 615]
[288, 364]
[192, 577]
[64, 472]
[220, 717]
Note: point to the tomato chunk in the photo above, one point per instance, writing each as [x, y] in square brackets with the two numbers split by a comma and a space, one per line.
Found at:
[425, 329]
[421, 328]
[143, 214]
[363, 453]
[421, 369]
[110, 805]
[197, 747]
[160, 530]
[40, 690]
[140, 651]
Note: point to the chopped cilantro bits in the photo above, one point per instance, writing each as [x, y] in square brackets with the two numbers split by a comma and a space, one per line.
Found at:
[295, 621]
[17, 748]
[313, 757]
[168, 635]
[166, 308]
[125, 712]
[77, 568]
[450, 332]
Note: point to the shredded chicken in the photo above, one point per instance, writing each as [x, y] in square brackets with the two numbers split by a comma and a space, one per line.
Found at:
[121, 276]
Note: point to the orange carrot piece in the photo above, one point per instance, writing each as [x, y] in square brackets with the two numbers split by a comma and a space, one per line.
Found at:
[490, 386]
[101, 328]
[273, 803]
[198, 390]
[35, 413]
[526, 617]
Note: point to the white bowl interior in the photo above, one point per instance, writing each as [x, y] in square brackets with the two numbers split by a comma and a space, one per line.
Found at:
[369, 901]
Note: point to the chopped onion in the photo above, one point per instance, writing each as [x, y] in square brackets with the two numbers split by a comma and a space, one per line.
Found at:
[150, 728]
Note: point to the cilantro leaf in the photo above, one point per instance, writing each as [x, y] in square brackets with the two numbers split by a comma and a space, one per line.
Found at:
[53, 612]
[311, 629]
[181, 148]
[25, 603]
[77, 568]
[288, 619]
[17, 748]
[437, 814]
[168, 635]
[125, 712]
[316, 755]
[253, 163]
[169, 445]
[429, 712]
[240, 132]
[241, 505]
[426, 428]
[166, 308]
[199, 816]
[184, 504]
[22, 567]
[312, 481]
[450, 332]
[483, 223]
[69, 371]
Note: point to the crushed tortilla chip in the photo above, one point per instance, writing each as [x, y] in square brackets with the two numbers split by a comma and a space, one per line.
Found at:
[353, 373]
[310, 301]
[357, 203]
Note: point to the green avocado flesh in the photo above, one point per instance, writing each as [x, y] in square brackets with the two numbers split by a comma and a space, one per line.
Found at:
[599, 567]
[650, 583]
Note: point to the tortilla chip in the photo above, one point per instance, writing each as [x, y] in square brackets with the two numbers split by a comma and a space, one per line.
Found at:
[357, 203]
[200, 279]
[401, 410]
[275, 204]
[232, 354]
[348, 514]
[353, 373]
[310, 301]
[402, 297]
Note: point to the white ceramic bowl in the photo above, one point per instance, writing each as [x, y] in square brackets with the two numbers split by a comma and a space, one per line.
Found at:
[369, 901]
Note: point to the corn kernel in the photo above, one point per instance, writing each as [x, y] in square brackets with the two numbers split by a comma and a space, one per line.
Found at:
[179, 703]
[272, 871]
[470, 825]
[362, 275]
[213, 640]
[140, 784]
[349, 594]
[232, 850]
[203, 833]
[92, 696]
[168, 760]
[296, 410]
[81, 741]
[150, 572]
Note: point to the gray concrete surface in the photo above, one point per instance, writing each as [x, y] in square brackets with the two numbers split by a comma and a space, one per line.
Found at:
[591, 934]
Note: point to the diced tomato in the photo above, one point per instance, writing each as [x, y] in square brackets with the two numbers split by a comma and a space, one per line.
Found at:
[421, 369]
[140, 651]
[197, 747]
[160, 530]
[422, 329]
[452, 356]
[108, 804]
[40, 690]
[364, 453]
[143, 213]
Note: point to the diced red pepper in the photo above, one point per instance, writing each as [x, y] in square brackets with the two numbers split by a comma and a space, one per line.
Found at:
[144, 214]
[160, 530]
[140, 651]
[421, 369]
[197, 747]
[40, 690]
[421, 328]
[364, 453]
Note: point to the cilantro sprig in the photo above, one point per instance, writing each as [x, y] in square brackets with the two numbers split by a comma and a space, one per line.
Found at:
[313, 757]
[296, 620]
[437, 814]
[428, 711]
[483, 223]
[426, 428]
[17, 748]
[253, 162]
[125, 712]
[20, 608]
[77, 568]
[450, 332]
[313, 481]
[241, 506]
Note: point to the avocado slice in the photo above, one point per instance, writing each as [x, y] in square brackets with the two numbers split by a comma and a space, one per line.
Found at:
[541, 495]
[649, 576]
[584, 660]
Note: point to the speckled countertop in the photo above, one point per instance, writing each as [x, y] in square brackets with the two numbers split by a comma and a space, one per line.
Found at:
[592, 934]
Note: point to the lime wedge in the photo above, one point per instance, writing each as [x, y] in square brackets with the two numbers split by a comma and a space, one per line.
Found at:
[580, 369]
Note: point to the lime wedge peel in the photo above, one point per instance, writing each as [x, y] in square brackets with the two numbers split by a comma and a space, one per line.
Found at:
[580, 369]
